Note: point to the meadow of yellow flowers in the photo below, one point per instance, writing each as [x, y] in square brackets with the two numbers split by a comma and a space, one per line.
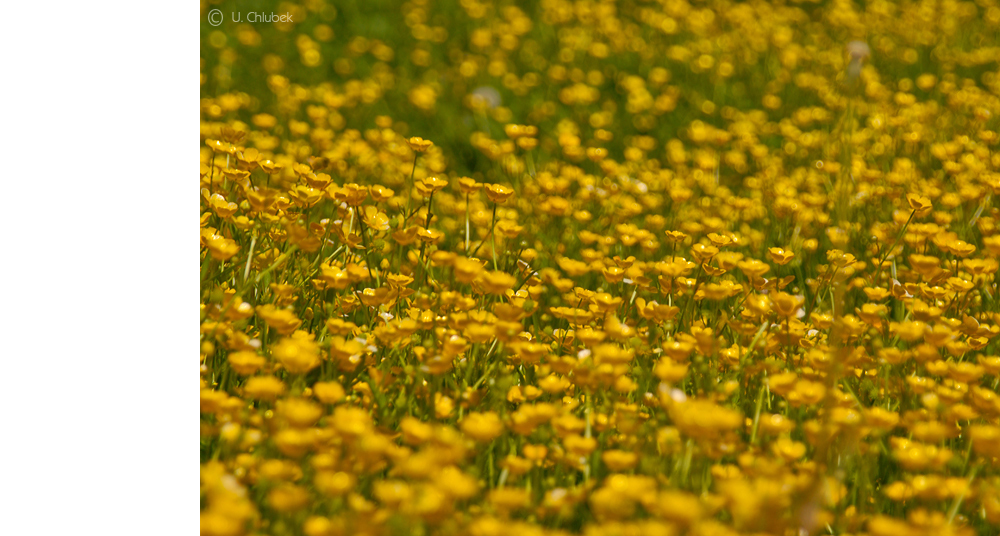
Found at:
[654, 267]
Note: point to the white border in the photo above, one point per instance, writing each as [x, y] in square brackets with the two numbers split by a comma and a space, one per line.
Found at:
[100, 268]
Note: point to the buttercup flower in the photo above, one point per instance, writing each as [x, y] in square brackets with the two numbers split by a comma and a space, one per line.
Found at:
[780, 256]
[498, 193]
[418, 144]
[920, 205]
[297, 354]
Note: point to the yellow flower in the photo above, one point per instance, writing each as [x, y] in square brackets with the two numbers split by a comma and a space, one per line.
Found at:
[786, 305]
[443, 406]
[468, 185]
[318, 526]
[225, 523]
[517, 131]
[702, 419]
[270, 167]
[678, 506]
[780, 256]
[535, 452]
[619, 460]
[414, 431]
[985, 439]
[919, 204]
[246, 362]
[876, 294]
[419, 145]
[352, 194]
[220, 146]
[529, 352]
[882, 525]
[482, 427]
[398, 280]
[508, 229]
[572, 267]
[375, 219]
[380, 193]
[347, 353]
[678, 350]
[498, 193]
[297, 354]
[613, 274]
[407, 236]
[703, 253]
[788, 449]
[495, 282]
[872, 313]
[329, 392]
[287, 498]
[553, 384]
[670, 371]
[675, 236]
[960, 248]
[222, 249]
[391, 493]
[579, 446]
[426, 187]
[430, 236]
[507, 499]
[655, 311]
[300, 412]
[351, 422]
[456, 484]
[221, 207]
[607, 503]
[467, 270]
[753, 268]
[264, 388]
[424, 97]
[283, 321]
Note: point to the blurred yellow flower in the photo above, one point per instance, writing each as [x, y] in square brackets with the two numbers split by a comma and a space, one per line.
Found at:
[297, 354]
[482, 427]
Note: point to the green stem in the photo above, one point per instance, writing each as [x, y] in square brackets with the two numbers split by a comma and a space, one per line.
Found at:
[427, 225]
[246, 271]
[756, 417]
[888, 251]
[958, 500]
[488, 235]
[467, 228]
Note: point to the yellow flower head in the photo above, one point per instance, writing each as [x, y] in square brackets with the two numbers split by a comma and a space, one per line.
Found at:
[498, 193]
[780, 256]
[375, 220]
[703, 253]
[496, 282]
[468, 185]
[919, 204]
[419, 145]
[298, 354]
[380, 193]
[429, 185]
[482, 427]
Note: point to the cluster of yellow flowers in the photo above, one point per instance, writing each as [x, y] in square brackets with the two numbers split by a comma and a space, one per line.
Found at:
[649, 268]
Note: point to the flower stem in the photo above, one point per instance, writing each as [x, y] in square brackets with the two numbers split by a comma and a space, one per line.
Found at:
[878, 271]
